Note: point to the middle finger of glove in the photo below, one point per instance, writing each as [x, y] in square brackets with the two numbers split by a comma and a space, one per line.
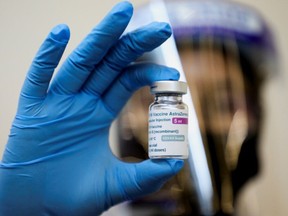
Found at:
[128, 49]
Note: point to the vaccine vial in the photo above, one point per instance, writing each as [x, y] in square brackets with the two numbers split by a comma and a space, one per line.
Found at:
[168, 121]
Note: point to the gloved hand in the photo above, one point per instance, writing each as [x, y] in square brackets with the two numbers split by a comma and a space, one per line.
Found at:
[57, 160]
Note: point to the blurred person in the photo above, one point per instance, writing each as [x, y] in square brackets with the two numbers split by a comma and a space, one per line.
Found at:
[57, 160]
[226, 51]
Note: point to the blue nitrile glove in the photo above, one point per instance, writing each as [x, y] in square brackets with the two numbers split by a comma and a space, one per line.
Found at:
[57, 160]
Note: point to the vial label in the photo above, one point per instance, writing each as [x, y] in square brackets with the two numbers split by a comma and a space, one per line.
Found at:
[168, 133]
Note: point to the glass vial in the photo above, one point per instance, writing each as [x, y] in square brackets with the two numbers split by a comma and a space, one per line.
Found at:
[168, 121]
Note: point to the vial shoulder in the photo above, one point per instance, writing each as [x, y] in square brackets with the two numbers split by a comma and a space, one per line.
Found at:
[160, 106]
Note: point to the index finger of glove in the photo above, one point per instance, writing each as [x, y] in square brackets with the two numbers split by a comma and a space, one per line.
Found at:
[81, 62]
[133, 78]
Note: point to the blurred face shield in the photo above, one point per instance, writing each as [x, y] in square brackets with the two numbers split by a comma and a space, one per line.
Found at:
[224, 52]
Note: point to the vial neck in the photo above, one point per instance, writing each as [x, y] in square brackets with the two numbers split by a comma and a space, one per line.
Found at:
[164, 97]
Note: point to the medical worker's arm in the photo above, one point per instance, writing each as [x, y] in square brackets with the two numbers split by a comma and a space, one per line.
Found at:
[57, 160]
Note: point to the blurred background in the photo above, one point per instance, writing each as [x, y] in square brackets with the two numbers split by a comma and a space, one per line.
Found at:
[24, 25]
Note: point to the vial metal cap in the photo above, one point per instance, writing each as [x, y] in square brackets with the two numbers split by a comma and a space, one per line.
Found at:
[168, 87]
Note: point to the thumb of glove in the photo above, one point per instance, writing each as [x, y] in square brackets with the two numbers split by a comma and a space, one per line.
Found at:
[152, 174]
